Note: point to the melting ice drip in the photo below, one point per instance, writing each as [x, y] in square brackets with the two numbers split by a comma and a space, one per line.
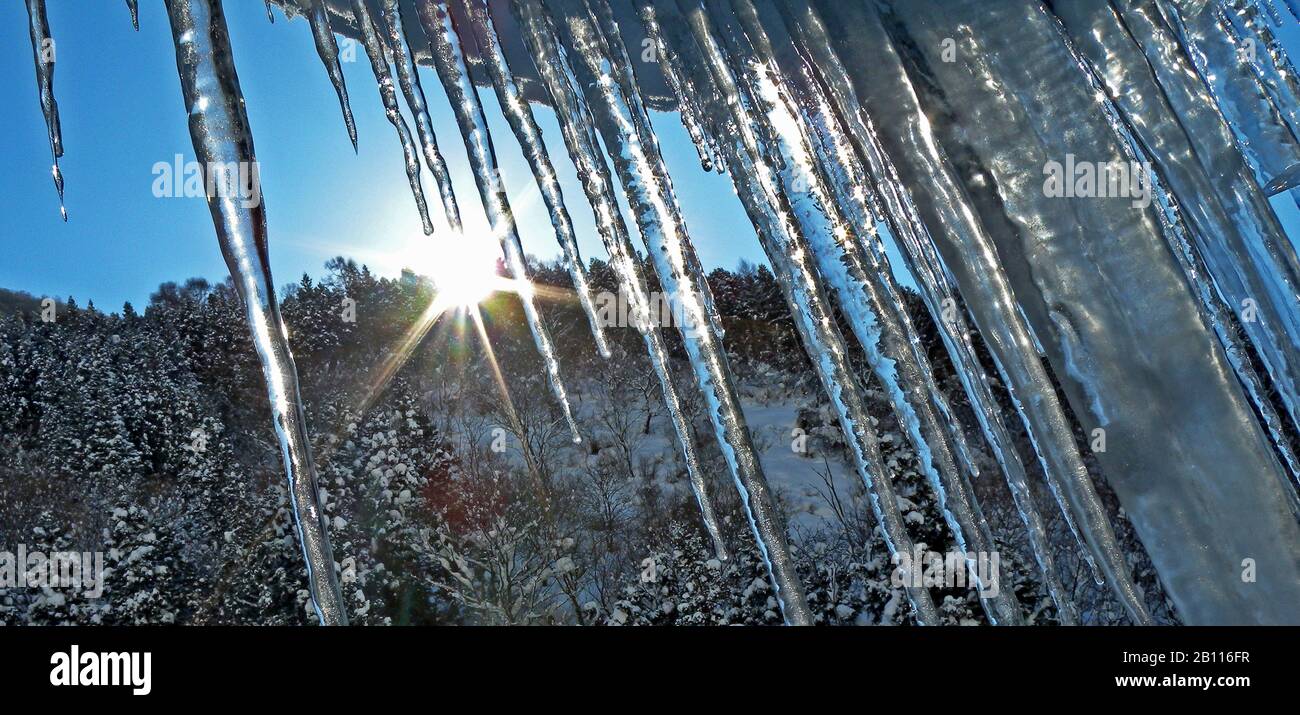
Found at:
[1174, 327]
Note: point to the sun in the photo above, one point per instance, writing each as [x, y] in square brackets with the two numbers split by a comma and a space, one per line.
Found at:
[463, 269]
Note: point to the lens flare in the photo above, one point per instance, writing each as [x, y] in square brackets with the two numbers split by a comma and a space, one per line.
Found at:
[464, 270]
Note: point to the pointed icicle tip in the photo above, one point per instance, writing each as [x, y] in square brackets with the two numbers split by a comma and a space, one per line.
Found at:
[328, 50]
[134, 7]
[1288, 179]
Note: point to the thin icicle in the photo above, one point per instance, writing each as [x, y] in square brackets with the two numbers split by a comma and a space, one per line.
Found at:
[529, 135]
[797, 275]
[819, 166]
[134, 7]
[1265, 55]
[608, 44]
[408, 78]
[924, 263]
[379, 63]
[864, 292]
[1261, 50]
[783, 240]
[43, 52]
[449, 61]
[221, 136]
[269, 15]
[318, 15]
[653, 202]
[1263, 133]
[682, 87]
[580, 139]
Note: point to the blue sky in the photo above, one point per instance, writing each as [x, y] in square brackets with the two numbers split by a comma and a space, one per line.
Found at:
[121, 110]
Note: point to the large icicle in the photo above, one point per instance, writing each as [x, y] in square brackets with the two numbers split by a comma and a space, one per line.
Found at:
[449, 60]
[134, 7]
[371, 40]
[924, 263]
[1235, 232]
[43, 52]
[576, 126]
[529, 135]
[221, 135]
[408, 78]
[1179, 432]
[327, 47]
[1265, 56]
[653, 202]
[863, 288]
[969, 253]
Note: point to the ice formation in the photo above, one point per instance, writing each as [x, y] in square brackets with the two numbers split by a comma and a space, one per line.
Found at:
[1164, 300]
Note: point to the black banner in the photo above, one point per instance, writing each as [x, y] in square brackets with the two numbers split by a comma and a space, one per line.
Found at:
[555, 664]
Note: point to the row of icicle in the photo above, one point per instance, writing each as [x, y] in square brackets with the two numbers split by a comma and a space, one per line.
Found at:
[765, 97]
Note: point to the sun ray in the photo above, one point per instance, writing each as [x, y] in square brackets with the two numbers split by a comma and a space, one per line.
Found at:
[511, 413]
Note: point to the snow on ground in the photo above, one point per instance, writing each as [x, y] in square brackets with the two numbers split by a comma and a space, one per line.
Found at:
[772, 417]
[788, 470]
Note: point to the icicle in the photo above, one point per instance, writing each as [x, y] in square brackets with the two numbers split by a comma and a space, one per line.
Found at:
[1263, 133]
[925, 264]
[269, 15]
[783, 241]
[1179, 429]
[789, 255]
[639, 167]
[1274, 15]
[608, 44]
[408, 77]
[319, 16]
[221, 136]
[1061, 315]
[529, 135]
[576, 126]
[864, 286]
[134, 7]
[1261, 51]
[683, 90]
[985, 286]
[379, 63]
[1239, 246]
[449, 61]
[1274, 71]
[43, 52]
